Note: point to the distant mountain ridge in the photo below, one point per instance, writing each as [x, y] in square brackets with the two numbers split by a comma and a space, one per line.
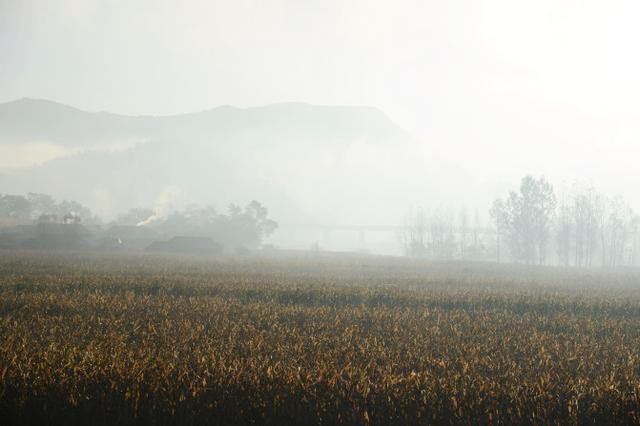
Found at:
[305, 162]
[29, 120]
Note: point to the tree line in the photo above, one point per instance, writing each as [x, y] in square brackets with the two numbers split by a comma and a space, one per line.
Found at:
[36, 207]
[239, 226]
[533, 224]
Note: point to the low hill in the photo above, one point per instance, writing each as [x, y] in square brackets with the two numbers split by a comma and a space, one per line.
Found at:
[36, 120]
[307, 163]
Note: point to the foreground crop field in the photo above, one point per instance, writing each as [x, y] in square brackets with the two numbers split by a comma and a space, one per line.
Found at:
[119, 339]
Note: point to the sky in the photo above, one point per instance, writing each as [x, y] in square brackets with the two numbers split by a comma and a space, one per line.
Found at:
[502, 87]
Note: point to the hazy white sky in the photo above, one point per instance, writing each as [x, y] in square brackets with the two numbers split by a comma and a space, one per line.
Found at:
[505, 87]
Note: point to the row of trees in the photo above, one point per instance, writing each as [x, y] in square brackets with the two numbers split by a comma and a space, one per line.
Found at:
[585, 227]
[445, 235]
[534, 225]
[42, 208]
[238, 227]
[246, 227]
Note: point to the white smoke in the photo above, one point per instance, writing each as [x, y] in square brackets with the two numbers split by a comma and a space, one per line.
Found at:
[148, 221]
[170, 199]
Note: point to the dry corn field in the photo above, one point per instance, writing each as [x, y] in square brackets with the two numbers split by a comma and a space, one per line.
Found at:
[122, 339]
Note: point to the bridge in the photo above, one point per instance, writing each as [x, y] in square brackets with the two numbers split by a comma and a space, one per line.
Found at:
[325, 234]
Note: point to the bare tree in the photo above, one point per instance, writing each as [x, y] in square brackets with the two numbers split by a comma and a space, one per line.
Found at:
[499, 219]
[413, 234]
[564, 228]
[463, 232]
[618, 229]
[476, 232]
[529, 215]
[442, 244]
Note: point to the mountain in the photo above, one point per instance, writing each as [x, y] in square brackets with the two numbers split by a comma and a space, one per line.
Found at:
[306, 163]
[35, 120]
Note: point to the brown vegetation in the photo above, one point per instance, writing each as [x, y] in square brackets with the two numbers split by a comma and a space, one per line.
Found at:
[90, 339]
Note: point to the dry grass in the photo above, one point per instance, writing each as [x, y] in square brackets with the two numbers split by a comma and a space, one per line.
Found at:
[115, 339]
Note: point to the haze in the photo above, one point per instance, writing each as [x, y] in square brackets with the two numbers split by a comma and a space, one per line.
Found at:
[323, 212]
[487, 90]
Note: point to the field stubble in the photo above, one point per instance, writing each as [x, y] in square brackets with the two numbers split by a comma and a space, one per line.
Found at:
[118, 339]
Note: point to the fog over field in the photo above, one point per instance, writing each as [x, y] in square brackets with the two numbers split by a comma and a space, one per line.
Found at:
[328, 113]
[319, 212]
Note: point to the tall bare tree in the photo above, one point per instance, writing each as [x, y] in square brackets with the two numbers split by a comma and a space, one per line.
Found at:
[499, 218]
[529, 217]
